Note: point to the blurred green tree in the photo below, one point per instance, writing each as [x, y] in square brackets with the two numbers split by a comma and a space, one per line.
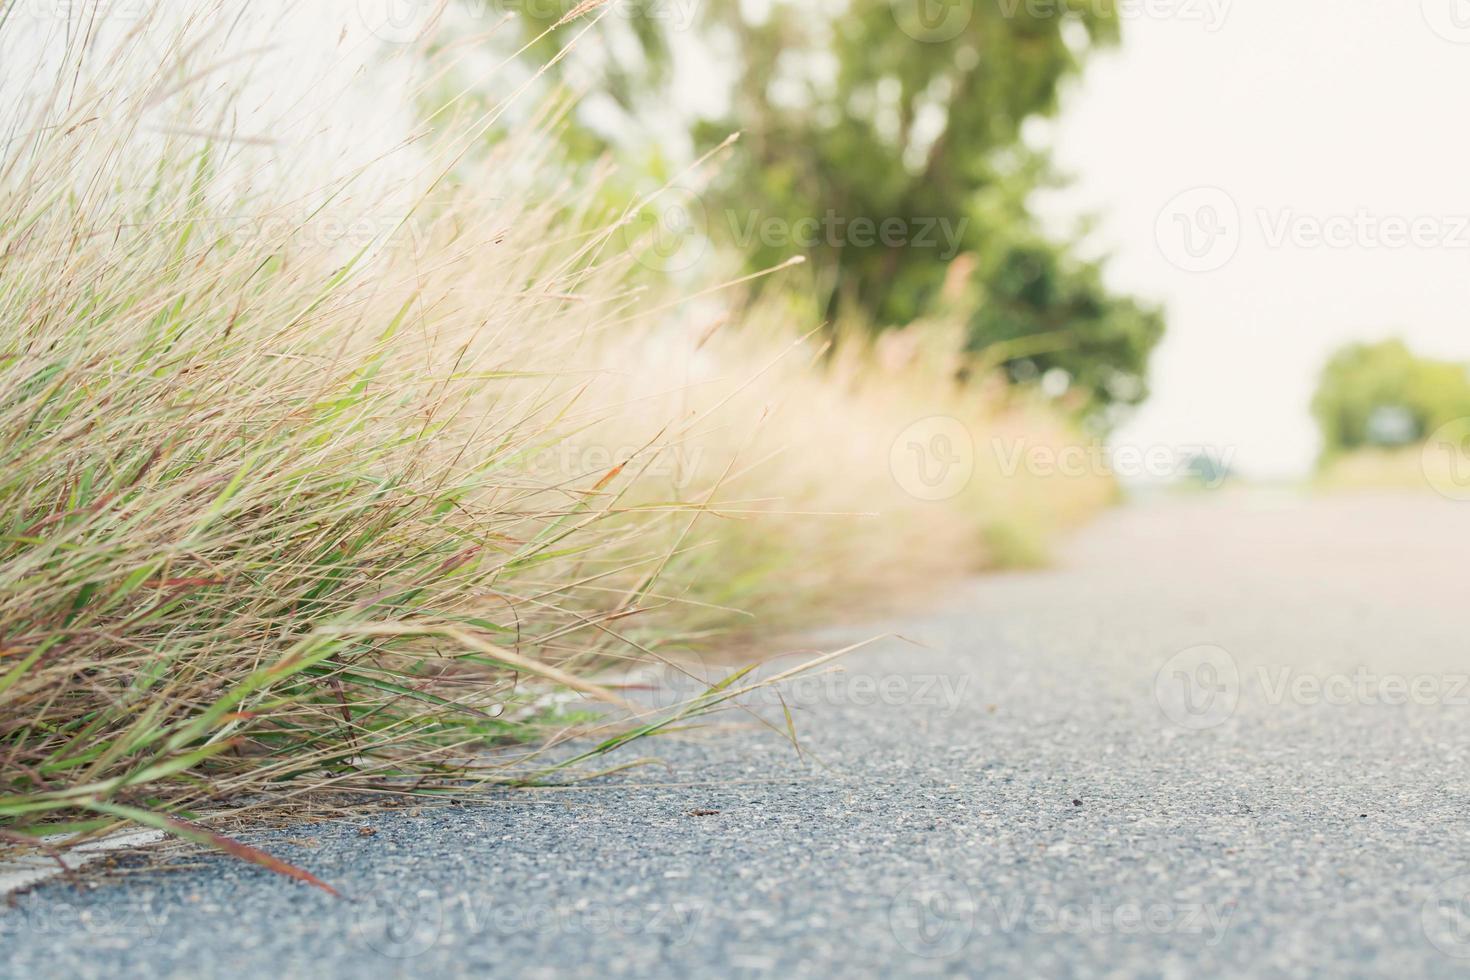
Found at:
[1366, 389]
[873, 134]
[1044, 313]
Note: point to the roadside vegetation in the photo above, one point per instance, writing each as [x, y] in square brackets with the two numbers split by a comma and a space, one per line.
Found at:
[379, 486]
[1392, 419]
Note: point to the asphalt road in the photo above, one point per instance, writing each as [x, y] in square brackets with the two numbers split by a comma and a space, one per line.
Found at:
[1222, 738]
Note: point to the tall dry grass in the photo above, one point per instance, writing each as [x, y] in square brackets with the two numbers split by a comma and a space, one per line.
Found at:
[326, 488]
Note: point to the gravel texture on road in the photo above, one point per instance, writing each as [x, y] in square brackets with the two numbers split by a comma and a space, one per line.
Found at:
[1221, 738]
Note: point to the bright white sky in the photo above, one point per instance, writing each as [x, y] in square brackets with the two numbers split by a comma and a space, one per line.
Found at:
[1311, 110]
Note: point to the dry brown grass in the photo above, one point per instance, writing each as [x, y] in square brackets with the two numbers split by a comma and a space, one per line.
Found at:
[292, 509]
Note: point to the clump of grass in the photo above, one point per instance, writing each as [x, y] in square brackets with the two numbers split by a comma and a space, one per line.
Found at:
[817, 520]
[331, 489]
[270, 519]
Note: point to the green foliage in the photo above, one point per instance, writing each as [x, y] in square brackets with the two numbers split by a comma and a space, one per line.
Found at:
[1044, 311]
[868, 119]
[1363, 383]
[894, 127]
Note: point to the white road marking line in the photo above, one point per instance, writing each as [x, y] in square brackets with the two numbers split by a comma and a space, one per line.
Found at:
[32, 869]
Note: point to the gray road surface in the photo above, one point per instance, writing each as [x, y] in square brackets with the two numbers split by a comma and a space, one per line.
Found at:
[1225, 737]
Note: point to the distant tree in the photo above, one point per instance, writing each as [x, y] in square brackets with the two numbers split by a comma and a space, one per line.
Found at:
[1044, 312]
[1377, 394]
[897, 114]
